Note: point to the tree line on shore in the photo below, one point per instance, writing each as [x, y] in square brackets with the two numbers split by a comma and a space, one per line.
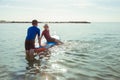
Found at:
[3, 21]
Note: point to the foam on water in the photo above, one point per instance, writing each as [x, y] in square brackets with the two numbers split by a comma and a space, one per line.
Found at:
[89, 60]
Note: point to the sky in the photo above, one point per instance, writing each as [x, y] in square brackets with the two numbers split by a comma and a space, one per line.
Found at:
[60, 10]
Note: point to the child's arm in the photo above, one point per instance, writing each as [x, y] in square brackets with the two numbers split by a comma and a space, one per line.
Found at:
[40, 39]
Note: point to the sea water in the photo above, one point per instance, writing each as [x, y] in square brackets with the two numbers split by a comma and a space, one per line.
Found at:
[90, 52]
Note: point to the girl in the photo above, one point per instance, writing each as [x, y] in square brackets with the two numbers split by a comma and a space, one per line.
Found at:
[47, 36]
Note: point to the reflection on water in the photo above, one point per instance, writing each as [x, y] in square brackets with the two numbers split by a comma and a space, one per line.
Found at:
[81, 60]
[74, 60]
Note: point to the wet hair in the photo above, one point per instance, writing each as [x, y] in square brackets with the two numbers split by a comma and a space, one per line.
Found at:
[34, 22]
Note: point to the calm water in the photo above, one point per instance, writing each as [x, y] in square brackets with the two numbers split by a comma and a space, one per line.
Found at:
[90, 52]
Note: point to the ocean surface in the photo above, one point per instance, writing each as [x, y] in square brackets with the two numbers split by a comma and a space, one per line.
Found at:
[90, 52]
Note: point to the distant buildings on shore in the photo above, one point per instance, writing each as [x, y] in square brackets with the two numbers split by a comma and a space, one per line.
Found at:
[3, 21]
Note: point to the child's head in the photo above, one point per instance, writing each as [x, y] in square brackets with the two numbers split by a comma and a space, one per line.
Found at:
[46, 26]
[34, 22]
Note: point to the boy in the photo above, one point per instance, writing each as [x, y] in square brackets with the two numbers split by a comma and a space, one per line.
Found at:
[32, 32]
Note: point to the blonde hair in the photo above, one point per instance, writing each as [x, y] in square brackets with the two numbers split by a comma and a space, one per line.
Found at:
[46, 25]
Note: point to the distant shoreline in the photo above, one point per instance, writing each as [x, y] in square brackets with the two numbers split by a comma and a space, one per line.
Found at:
[45, 22]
